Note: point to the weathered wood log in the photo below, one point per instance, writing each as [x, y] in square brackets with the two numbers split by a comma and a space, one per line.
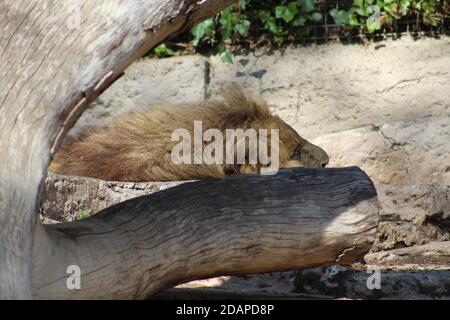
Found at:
[249, 224]
[55, 58]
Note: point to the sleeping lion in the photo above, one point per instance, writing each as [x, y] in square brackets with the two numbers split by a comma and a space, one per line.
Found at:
[139, 146]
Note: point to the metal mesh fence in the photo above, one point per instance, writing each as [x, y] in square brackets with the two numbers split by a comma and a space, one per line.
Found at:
[327, 29]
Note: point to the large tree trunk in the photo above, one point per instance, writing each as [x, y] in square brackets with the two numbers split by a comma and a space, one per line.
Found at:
[250, 224]
[55, 58]
[51, 68]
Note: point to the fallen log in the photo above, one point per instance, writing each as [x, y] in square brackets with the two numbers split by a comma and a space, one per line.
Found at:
[298, 218]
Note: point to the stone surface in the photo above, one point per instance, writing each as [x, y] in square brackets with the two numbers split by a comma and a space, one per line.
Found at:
[412, 215]
[405, 152]
[330, 88]
[433, 255]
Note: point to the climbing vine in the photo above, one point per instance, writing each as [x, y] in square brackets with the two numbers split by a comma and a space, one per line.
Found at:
[277, 22]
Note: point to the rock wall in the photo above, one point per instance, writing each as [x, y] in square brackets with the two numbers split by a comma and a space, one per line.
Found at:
[412, 215]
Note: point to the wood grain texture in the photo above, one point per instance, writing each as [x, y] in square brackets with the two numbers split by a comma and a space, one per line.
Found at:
[247, 224]
[51, 68]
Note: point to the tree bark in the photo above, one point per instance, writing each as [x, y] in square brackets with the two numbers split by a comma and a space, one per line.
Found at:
[55, 58]
[298, 218]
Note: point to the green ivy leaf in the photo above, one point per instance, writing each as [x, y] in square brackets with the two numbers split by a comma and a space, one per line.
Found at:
[226, 25]
[361, 11]
[205, 28]
[429, 6]
[228, 21]
[306, 5]
[389, 7]
[242, 27]
[287, 13]
[278, 39]
[264, 15]
[360, 7]
[316, 17]
[299, 21]
[373, 24]
[358, 3]
[404, 4]
[163, 50]
[243, 3]
[221, 48]
[227, 57]
[429, 19]
[292, 7]
[353, 20]
[373, 9]
[340, 16]
[271, 25]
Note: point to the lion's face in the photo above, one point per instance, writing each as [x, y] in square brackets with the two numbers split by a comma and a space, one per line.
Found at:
[294, 151]
[298, 152]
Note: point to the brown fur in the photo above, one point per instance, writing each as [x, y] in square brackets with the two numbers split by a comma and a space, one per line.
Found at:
[137, 146]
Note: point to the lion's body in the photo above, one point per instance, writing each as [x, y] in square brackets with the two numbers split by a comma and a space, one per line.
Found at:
[137, 146]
